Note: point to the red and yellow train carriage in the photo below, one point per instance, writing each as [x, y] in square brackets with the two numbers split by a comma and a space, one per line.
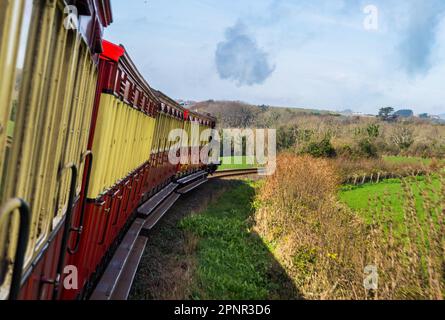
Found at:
[48, 76]
[89, 145]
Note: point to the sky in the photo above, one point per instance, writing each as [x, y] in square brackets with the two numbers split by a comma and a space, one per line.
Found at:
[322, 54]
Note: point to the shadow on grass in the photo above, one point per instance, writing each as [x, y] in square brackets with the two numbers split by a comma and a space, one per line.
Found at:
[206, 249]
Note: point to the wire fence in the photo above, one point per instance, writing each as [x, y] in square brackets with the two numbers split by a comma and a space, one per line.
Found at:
[381, 176]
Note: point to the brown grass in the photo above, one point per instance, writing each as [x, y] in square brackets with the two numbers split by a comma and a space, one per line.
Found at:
[325, 247]
[349, 169]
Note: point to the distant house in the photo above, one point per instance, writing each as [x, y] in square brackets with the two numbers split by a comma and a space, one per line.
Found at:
[404, 113]
[186, 103]
[347, 112]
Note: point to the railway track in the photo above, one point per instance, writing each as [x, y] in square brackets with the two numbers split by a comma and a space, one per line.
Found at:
[117, 280]
[234, 173]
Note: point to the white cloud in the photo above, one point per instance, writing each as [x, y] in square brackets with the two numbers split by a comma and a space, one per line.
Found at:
[323, 56]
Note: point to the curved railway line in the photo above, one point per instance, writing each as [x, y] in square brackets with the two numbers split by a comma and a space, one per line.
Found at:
[85, 157]
[235, 173]
[117, 280]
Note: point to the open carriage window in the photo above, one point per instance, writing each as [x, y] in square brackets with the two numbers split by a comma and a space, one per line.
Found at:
[15, 19]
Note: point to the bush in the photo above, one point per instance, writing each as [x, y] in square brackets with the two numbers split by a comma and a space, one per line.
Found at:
[324, 246]
[345, 151]
[286, 137]
[403, 137]
[367, 148]
[320, 149]
[314, 237]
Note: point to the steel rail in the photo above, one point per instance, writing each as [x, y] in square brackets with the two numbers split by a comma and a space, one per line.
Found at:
[234, 173]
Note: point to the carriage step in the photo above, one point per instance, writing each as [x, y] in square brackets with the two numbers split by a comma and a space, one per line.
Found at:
[192, 186]
[122, 290]
[157, 215]
[191, 177]
[148, 207]
[115, 270]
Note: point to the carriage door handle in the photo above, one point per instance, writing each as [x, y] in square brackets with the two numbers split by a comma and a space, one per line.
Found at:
[25, 221]
[79, 230]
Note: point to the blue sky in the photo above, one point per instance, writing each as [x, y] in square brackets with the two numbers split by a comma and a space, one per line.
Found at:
[306, 53]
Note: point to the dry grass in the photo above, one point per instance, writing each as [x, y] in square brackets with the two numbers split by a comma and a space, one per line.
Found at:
[348, 169]
[325, 246]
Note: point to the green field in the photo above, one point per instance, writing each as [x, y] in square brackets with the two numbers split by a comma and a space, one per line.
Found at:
[407, 160]
[391, 196]
[230, 163]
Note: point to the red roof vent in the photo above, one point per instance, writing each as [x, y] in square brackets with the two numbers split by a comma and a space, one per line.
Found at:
[112, 51]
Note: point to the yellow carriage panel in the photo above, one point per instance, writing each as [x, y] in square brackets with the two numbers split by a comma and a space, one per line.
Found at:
[122, 143]
[54, 101]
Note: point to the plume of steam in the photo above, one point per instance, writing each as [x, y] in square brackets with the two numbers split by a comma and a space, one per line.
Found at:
[420, 37]
[239, 58]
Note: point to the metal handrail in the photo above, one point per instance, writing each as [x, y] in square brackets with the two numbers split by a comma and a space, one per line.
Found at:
[67, 227]
[79, 230]
[25, 224]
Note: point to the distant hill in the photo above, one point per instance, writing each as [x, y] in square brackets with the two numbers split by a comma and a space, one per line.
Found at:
[347, 112]
[237, 114]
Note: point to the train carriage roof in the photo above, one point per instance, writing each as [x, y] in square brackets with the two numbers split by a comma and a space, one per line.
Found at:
[119, 55]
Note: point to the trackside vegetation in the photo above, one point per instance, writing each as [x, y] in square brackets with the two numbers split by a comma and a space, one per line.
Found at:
[232, 260]
[302, 233]
[396, 226]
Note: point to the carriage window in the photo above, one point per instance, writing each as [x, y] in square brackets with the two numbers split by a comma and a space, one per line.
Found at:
[16, 85]
[14, 32]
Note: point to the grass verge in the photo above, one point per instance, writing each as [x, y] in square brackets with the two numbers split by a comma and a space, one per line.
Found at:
[233, 263]
[231, 163]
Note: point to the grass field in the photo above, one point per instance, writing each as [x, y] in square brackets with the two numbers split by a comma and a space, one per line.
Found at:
[229, 163]
[390, 193]
[407, 160]
[233, 262]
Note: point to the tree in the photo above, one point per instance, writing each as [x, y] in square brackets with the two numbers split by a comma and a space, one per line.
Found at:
[321, 149]
[386, 113]
[264, 108]
[403, 137]
[287, 137]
